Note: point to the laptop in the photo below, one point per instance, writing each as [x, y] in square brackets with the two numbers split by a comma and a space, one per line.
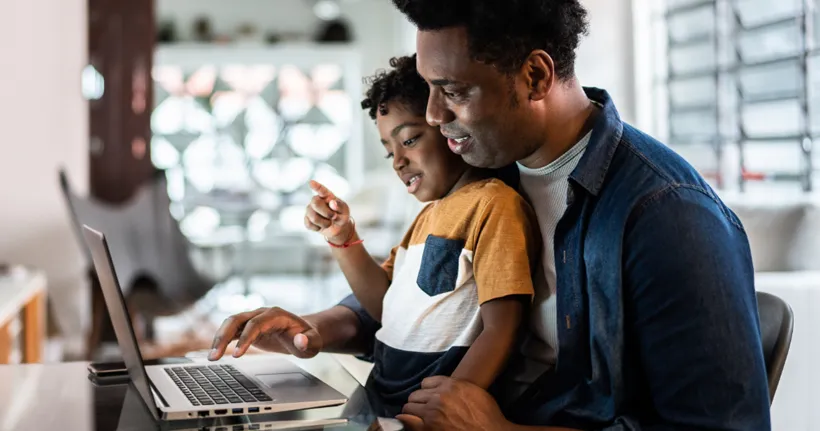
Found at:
[206, 390]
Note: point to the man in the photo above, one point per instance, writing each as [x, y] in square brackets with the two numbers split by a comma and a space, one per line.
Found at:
[645, 316]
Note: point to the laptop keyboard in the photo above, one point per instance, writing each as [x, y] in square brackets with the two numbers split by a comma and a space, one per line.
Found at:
[215, 384]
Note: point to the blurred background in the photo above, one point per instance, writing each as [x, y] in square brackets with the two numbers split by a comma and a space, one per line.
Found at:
[187, 131]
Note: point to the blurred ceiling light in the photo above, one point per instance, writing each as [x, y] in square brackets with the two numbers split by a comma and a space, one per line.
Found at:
[258, 225]
[292, 219]
[163, 154]
[327, 10]
[93, 83]
[202, 221]
[330, 178]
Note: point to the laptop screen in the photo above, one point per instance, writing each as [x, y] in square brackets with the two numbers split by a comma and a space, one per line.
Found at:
[120, 319]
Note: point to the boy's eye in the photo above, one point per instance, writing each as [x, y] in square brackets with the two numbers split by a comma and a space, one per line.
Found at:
[389, 156]
[410, 141]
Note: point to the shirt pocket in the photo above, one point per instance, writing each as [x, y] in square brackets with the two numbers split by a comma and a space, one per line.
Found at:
[439, 265]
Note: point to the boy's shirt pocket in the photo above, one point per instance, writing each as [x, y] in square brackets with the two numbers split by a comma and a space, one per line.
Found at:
[439, 265]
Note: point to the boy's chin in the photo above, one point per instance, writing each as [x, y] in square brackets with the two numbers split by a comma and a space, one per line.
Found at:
[424, 196]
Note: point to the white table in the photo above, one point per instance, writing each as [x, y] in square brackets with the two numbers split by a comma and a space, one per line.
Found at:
[23, 295]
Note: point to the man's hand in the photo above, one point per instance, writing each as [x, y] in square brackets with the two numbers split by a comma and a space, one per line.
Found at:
[271, 329]
[329, 215]
[444, 403]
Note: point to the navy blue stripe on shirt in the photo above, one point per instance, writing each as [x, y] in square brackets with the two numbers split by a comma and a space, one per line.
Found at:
[397, 373]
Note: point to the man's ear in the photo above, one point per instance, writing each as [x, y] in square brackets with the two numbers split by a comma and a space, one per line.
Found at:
[539, 74]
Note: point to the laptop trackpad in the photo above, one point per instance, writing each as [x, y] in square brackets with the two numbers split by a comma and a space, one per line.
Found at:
[285, 380]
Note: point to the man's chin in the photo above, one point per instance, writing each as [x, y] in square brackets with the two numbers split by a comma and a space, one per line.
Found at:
[477, 160]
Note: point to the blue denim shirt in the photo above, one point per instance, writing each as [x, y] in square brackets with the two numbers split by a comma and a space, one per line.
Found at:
[658, 326]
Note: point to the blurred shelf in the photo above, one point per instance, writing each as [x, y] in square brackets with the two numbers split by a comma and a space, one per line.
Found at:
[694, 140]
[757, 100]
[693, 40]
[712, 73]
[768, 62]
[298, 54]
[688, 109]
[770, 24]
[688, 7]
[772, 47]
[773, 138]
[761, 176]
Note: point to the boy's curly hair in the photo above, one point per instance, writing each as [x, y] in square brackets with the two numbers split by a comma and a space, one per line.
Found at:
[504, 32]
[402, 84]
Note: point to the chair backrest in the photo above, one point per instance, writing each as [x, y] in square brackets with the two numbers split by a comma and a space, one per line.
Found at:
[145, 241]
[776, 326]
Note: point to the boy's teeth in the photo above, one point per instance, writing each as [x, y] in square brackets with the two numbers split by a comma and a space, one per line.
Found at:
[413, 180]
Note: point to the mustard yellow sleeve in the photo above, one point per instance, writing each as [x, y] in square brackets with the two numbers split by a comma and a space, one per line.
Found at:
[506, 247]
[387, 265]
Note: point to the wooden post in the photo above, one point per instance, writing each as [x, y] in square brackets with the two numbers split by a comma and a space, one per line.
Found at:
[121, 39]
[34, 328]
[5, 343]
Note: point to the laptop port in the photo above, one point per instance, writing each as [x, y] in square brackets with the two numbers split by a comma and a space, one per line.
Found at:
[236, 411]
[221, 412]
[267, 409]
[203, 414]
[253, 409]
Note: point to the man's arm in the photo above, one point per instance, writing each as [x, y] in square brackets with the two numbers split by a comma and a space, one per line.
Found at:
[341, 330]
[338, 329]
[691, 310]
[366, 327]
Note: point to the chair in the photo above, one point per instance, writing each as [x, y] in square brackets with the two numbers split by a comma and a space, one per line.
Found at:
[776, 325]
[149, 251]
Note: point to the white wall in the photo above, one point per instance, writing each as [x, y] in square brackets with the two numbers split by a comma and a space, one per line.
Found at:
[43, 119]
[605, 57]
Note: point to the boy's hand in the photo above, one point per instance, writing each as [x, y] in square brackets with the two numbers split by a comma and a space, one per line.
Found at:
[329, 216]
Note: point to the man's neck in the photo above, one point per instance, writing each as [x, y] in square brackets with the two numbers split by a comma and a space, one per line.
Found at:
[569, 119]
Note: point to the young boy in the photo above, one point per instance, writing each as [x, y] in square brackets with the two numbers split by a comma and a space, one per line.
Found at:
[451, 296]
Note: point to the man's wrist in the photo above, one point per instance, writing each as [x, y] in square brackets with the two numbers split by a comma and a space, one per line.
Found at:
[504, 425]
[337, 326]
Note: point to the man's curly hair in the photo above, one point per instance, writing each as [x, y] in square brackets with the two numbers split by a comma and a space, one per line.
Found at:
[402, 84]
[503, 33]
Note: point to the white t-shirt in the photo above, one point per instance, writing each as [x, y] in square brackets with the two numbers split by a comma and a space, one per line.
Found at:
[546, 189]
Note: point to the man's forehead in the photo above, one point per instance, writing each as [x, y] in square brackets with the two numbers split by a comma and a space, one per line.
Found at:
[442, 54]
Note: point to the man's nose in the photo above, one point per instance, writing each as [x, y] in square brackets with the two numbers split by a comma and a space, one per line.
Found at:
[437, 111]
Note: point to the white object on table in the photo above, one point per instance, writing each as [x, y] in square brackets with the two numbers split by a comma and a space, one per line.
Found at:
[22, 293]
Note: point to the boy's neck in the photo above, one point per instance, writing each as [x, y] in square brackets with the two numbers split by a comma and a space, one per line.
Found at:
[470, 175]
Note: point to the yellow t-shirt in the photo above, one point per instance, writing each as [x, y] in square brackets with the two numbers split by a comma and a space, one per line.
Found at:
[478, 244]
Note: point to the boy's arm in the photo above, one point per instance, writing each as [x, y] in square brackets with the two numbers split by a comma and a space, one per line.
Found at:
[505, 247]
[330, 216]
[489, 352]
[367, 279]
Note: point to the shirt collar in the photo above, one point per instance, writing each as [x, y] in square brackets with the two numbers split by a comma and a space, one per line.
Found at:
[606, 135]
